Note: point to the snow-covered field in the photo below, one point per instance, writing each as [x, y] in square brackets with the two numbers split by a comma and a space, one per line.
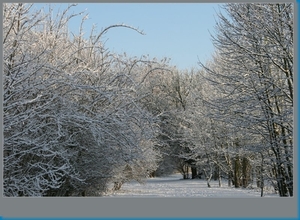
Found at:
[175, 186]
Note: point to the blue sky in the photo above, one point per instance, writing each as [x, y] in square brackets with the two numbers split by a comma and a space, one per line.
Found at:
[179, 31]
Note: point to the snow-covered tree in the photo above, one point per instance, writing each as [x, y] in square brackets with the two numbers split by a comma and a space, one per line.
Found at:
[72, 117]
[254, 67]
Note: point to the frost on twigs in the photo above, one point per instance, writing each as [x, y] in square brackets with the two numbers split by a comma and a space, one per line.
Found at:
[72, 115]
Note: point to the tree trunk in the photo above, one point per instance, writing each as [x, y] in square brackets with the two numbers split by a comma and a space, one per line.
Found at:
[229, 178]
[208, 177]
[262, 176]
[281, 182]
[194, 172]
[187, 171]
[258, 176]
[246, 168]
[219, 177]
[237, 172]
[280, 174]
[216, 173]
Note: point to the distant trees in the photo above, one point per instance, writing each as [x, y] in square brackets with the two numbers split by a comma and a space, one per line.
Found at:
[235, 116]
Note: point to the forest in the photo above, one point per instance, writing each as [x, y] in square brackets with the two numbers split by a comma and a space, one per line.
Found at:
[78, 117]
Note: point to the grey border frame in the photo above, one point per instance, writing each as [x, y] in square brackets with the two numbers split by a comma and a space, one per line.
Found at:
[156, 207]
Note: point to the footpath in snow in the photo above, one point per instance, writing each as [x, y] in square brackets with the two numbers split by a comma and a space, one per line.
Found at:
[175, 186]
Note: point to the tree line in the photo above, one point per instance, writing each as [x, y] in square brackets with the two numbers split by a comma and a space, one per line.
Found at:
[79, 118]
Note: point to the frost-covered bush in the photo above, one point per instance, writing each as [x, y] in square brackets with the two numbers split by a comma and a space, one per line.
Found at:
[71, 111]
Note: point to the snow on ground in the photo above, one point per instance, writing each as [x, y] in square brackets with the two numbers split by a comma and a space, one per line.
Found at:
[175, 186]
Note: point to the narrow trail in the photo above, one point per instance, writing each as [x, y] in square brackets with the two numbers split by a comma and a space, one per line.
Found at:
[174, 186]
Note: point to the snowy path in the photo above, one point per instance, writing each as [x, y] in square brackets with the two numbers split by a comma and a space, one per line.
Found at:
[174, 186]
